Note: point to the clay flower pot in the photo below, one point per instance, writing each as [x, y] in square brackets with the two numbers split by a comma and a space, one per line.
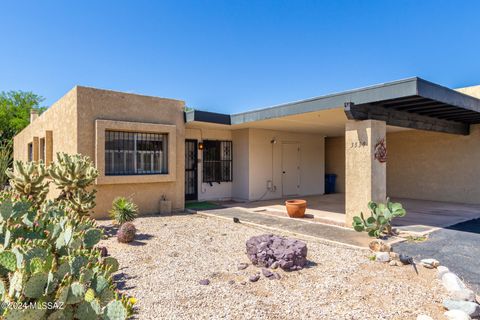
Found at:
[296, 208]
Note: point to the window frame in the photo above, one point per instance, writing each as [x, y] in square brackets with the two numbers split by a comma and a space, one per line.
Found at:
[101, 125]
[138, 138]
[217, 165]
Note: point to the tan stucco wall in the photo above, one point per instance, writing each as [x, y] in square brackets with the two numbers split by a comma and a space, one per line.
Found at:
[96, 104]
[216, 191]
[61, 120]
[422, 165]
[312, 162]
[335, 161]
[241, 153]
[434, 166]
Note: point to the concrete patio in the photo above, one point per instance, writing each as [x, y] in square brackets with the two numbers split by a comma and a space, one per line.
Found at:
[422, 216]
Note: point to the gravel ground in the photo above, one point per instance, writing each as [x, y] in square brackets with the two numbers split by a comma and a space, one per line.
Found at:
[162, 269]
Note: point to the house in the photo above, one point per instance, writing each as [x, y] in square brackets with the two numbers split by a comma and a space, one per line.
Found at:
[146, 147]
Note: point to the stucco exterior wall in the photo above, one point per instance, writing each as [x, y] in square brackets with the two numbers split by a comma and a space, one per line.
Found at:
[95, 104]
[335, 161]
[61, 120]
[241, 152]
[434, 166]
[264, 167]
[216, 191]
[423, 165]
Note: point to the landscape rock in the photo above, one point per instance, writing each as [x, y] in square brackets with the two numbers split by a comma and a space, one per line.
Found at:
[452, 282]
[277, 275]
[395, 263]
[231, 282]
[379, 246]
[242, 266]
[456, 315]
[465, 295]
[470, 308]
[264, 250]
[441, 270]
[254, 277]
[424, 317]
[382, 256]
[204, 282]
[430, 263]
[267, 273]
[274, 265]
[394, 255]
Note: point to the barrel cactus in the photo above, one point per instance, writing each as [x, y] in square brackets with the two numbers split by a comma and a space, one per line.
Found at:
[380, 221]
[126, 233]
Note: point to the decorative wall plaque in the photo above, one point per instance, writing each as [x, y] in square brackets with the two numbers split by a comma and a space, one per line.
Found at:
[381, 151]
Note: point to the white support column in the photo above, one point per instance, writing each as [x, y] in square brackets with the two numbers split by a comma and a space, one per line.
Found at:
[365, 167]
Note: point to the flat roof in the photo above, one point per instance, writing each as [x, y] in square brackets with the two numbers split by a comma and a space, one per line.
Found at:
[408, 95]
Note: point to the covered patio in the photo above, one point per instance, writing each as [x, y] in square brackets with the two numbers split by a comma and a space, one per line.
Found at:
[422, 217]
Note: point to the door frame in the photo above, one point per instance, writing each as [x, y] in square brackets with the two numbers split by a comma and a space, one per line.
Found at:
[283, 167]
[194, 196]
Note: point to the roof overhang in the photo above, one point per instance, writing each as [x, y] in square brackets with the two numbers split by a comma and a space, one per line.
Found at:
[411, 103]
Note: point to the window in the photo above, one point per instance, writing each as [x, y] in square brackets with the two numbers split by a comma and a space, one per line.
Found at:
[42, 149]
[217, 161]
[135, 153]
[30, 152]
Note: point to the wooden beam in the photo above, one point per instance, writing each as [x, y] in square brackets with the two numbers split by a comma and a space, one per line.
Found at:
[48, 147]
[404, 119]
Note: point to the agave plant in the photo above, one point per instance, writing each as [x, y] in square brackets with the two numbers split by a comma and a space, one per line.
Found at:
[123, 210]
[380, 220]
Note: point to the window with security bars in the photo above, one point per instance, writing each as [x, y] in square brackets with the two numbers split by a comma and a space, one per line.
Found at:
[135, 153]
[217, 161]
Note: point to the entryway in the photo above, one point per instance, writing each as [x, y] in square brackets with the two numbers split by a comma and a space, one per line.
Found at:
[290, 168]
[191, 172]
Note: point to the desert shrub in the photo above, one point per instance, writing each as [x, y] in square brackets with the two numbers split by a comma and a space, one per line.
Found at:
[380, 220]
[123, 210]
[6, 151]
[126, 233]
[49, 256]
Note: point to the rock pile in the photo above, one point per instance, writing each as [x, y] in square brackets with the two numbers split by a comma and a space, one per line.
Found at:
[265, 250]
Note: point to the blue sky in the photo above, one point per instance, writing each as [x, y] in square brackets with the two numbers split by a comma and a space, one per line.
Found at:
[230, 56]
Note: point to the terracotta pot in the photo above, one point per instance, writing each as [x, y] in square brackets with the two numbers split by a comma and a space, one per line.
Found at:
[296, 208]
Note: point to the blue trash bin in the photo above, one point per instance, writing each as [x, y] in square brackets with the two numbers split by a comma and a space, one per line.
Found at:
[330, 183]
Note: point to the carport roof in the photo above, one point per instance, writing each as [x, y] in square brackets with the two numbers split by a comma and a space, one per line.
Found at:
[412, 103]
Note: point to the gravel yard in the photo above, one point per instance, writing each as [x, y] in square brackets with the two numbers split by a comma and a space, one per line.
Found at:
[172, 254]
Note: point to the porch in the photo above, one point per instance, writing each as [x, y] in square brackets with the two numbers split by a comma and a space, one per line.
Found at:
[422, 217]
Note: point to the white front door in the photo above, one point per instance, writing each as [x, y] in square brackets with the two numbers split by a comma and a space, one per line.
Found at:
[290, 169]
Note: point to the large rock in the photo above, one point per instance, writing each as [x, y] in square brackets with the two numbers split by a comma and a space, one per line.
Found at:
[456, 315]
[441, 270]
[452, 282]
[266, 249]
[465, 295]
[470, 308]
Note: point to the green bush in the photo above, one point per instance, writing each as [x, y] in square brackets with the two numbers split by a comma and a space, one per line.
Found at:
[6, 151]
[49, 257]
[380, 221]
[123, 210]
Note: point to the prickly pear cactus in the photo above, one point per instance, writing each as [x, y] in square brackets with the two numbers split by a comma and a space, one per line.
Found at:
[380, 220]
[28, 180]
[49, 248]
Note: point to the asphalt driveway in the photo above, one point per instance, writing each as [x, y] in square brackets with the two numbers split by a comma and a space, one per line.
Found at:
[456, 247]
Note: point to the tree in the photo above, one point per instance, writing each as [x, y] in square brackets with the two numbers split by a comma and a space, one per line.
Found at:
[15, 107]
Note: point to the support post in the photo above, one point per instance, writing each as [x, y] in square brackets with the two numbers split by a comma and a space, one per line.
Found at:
[365, 167]
[36, 149]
